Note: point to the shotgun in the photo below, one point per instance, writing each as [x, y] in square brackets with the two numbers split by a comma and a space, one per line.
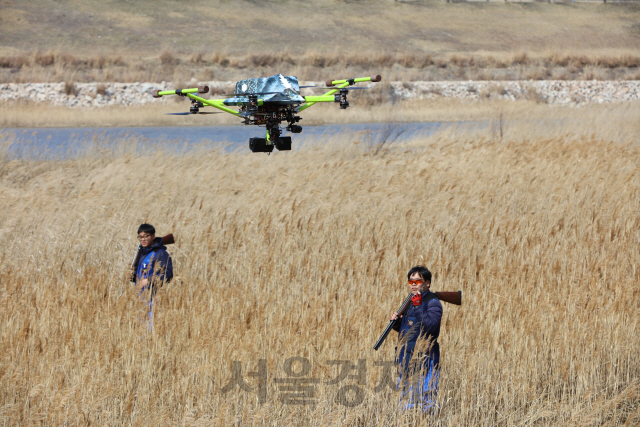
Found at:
[450, 297]
[166, 240]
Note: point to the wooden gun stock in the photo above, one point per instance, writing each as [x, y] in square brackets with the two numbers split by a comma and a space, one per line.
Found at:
[166, 240]
[169, 240]
[450, 297]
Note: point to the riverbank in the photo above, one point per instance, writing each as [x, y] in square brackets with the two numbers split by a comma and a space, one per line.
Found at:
[498, 119]
[97, 95]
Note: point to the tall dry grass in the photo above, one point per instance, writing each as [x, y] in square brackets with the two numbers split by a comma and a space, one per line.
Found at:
[316, 65]
[304, 254]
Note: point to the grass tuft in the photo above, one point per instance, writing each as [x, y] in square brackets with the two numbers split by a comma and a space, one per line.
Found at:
[44, 59]
[313, 65]
[101, 89]
[70, 88]
[15, 62]
[167, 58]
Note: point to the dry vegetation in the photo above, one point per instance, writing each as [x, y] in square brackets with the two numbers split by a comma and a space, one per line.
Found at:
[229, 40]
[304, 254]
[534, 217]
[56, 66]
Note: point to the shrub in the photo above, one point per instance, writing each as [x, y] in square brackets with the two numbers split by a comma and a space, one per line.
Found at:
[630, 61]
[101, 90]
[167, 58]
[70, 88]
[260, 60]
[97, 62]
[197, 58]
[13, 61]
[220, 59]
[520, 59]
[44, 59]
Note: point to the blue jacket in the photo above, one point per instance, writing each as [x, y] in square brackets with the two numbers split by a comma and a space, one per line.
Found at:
[422, 321]
[155, 262]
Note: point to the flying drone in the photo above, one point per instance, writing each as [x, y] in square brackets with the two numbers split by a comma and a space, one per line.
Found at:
[268, 102]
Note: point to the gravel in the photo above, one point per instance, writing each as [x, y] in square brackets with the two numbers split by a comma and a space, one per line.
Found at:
[564, 92]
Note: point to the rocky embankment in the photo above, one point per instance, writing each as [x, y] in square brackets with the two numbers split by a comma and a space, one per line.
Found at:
[551, 92]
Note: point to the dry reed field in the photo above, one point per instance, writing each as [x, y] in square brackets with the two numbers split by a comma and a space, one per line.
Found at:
[56, 66]
[304, 254]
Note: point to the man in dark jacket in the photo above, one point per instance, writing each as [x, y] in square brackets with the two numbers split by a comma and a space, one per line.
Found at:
[419, 370]
[155, 266]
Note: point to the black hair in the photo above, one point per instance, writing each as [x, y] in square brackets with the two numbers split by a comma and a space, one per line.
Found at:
[146, 228]
[422, 271]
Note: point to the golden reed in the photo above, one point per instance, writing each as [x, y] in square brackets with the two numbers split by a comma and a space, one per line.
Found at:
[304, 254]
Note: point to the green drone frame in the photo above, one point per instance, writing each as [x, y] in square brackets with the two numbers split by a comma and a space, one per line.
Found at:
[339, 84]
[215, 103]
[309, 100]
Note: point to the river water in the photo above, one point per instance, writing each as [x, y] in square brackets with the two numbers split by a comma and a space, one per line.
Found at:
[56, 143]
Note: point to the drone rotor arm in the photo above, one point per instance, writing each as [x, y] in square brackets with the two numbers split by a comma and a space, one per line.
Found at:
[215, 103]
[327, 97]
[339, 84]
[181, 92]
[321, 98]
[373, 79]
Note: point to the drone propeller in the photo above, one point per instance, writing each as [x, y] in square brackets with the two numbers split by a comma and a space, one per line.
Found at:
[188, 114]
[335, 88]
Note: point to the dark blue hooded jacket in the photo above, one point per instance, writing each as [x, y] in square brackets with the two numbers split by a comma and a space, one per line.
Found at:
[155, 262]
[422, 321]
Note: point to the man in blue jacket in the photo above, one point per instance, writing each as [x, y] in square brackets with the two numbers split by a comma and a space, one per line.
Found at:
[419, 370]
[155, 266]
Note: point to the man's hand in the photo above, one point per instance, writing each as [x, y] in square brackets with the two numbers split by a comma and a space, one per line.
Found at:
[416, 299]
[143, 284]
[394, 316]
[132, 276]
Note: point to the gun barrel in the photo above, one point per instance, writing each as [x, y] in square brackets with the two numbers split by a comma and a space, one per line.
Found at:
[384, 335]
[135, 258]
[403, 308]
